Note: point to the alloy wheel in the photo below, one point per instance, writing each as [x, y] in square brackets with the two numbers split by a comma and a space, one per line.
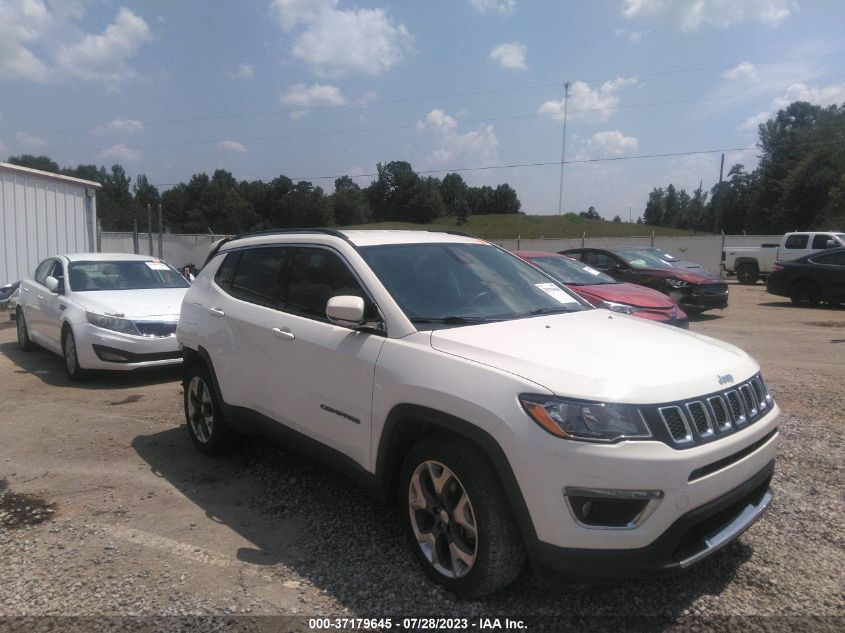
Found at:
[71, 360]
[443, 519]
[23, 335]
[200, 410]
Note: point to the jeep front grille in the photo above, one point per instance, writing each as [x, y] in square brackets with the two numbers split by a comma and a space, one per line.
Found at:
[692, 422]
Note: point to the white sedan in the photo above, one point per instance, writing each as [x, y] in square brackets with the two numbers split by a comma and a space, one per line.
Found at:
[103, 311]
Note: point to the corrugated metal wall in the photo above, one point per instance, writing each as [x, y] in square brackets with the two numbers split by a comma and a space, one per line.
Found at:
[40, 217]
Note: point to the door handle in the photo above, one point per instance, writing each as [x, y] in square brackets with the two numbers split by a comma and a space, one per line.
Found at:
[283, 333]
[216, 312]
[41, 297]
[25, 289]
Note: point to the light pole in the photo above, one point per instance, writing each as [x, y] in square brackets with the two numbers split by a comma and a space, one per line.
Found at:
[563, 148]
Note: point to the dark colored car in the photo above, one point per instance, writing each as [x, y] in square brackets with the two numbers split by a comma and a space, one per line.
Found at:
[694, 293]
[811, 279]
[691, 267]
[604, 291]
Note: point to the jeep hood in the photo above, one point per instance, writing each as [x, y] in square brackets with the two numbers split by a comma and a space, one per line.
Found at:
[601, 355]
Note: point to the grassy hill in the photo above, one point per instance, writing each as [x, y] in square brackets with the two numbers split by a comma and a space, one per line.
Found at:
[497, 227]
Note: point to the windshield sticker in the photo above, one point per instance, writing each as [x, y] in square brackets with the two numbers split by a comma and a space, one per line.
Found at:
[157, 265]
[592, 271]
[556, 293]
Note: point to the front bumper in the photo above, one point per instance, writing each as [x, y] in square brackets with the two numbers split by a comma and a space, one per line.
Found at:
[690, 300]
[96, 347]
[695, 536]
[695, 484]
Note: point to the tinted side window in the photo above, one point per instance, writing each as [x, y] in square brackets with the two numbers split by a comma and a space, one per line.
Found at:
[581, 257]
[820, 241]
[831, 259]
[317, 275]
[43, 271]
[258, 277]
[600, 260]
[226, 272]
[796, 241]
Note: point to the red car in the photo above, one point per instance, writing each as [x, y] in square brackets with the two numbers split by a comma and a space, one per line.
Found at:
[603, 291]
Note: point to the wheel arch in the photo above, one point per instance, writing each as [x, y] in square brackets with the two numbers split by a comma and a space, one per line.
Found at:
[408, 424]
[739, 261]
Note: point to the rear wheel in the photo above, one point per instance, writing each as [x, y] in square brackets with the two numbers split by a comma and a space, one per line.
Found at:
[23, 332]
[747, 274]
[458, 521]
[71, 356]
[805, 294]
[203, 413]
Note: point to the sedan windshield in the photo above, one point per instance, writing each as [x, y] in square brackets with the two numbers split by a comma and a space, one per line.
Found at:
[641, 259]
[568, 271]
[462, 284]
[124, 275]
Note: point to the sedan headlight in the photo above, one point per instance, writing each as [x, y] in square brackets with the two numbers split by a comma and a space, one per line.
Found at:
[590, 421]
[116, 324]
[624, 308]
[677, 283]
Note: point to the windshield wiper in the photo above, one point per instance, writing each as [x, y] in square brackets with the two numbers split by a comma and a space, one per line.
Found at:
[546, 310]
[452, 320]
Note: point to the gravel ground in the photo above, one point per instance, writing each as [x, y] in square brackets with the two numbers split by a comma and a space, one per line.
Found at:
[107, 510]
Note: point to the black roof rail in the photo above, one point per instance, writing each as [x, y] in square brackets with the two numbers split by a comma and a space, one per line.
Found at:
[215, 250]
[240, 236]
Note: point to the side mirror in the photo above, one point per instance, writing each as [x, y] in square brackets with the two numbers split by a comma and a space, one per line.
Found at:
[346, 310]
[53, 284]
[830, 244]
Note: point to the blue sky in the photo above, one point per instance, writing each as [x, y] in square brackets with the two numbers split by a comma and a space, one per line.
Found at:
[329, 87]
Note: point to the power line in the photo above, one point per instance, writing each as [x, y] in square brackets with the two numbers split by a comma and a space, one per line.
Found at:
[367, 103]
[541, 164]
[417, 125]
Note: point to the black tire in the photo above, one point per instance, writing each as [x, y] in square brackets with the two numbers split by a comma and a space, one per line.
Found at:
[203, 413]
[71, 357]
[805, 294]
[748, 274]
[24, 342]
[498, 550]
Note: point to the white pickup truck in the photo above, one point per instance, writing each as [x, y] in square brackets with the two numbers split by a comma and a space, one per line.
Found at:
[749, 263]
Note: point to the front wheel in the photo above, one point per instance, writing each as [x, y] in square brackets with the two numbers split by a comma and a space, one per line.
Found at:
[747, 274]
[71, 355]
[458, 521]
[23, 332]
[203, 413]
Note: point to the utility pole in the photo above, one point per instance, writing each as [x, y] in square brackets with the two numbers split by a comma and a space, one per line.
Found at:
[563, 148]
[150, 226]
[160, 234]
[717, 211]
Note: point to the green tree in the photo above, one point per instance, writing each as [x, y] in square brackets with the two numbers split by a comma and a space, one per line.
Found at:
[454, 191]
[505, 200]
[349, 203]
[590, 214]
[44, 163]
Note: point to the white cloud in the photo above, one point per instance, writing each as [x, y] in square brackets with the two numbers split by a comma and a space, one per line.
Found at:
[510, 55]
[635, 37]
[23, 23]
[120, 126]
[745, 70]
[335, 42]
[752, 122]
[244, 71]
[120, 152]
[834, 94]
[502, 7]
[314, 96]
[104, 57]
[690, 15]
[612, 143]
[476, 147]
[232, 146]
[587, 104]
[30, 140]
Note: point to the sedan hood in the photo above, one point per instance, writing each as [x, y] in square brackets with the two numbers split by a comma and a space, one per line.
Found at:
[600, 355]
[630, 294]
[134, 304]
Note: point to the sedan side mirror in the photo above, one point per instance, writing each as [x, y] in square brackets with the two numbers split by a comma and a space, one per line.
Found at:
[53, 285]
[346, 310]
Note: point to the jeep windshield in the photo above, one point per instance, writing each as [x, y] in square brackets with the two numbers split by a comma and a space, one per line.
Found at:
[456, 284]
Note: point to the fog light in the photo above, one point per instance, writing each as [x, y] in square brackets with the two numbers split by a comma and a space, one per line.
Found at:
[610, 508]
[110, 354]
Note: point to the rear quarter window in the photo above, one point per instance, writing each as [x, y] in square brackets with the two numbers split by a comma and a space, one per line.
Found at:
[796, 241]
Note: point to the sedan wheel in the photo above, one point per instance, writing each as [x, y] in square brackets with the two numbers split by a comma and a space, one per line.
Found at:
[805, 293]
[23, 332]
[71, 354]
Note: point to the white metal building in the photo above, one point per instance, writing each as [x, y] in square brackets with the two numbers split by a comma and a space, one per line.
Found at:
[43, 214]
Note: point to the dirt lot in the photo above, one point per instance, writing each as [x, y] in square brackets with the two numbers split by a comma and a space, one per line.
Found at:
[106, 508]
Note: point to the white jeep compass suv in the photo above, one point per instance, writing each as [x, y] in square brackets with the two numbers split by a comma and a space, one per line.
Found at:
[507, 419]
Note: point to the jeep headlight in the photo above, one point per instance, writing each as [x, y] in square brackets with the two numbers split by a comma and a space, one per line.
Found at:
[589, 421]
[109, 322]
